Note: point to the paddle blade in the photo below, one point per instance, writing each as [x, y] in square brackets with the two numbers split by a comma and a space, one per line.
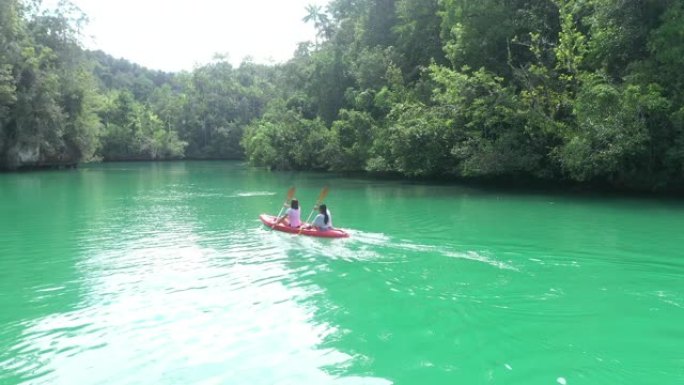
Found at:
[290, 193]
[324, 193]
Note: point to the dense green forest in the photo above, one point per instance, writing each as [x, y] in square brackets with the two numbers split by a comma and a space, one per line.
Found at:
[587, 91]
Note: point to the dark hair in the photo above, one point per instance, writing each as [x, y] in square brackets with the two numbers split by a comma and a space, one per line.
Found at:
[294, 204]
[324, 210]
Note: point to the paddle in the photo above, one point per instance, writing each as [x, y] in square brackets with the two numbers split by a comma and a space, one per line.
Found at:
[290, 194]
[323, 194]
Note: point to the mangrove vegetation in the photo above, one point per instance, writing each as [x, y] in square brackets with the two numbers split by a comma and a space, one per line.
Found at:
[588, 91]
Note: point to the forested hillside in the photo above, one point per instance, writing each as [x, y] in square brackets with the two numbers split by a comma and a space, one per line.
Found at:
[61, 104]
[559, 90]
[555, 90]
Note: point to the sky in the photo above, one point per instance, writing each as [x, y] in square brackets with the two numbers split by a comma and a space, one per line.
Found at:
[174, 35]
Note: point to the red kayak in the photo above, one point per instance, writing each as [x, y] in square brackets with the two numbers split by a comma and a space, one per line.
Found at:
[269, 220]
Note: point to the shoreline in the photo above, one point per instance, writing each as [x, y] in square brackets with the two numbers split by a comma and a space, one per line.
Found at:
[509, 184]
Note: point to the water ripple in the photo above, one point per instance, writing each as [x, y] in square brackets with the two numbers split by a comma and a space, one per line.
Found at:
[139, 275]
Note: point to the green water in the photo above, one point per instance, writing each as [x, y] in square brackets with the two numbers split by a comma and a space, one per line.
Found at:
[161, 273]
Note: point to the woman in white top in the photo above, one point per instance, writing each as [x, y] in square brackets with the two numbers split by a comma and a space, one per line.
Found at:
[292, 216]
[323, 220]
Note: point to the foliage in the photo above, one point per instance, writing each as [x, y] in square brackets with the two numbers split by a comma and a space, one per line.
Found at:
[284, 139]
[351, 140]
[132, 131]
[587, 91]
[47, 110]
[578, 90]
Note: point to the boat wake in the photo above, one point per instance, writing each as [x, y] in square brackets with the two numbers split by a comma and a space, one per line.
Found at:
[252, 194]
[379, 248]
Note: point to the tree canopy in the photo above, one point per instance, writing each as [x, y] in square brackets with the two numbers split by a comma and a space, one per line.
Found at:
[559, 90]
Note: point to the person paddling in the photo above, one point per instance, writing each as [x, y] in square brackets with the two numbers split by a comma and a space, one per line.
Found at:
[292, 216]
[322, 221]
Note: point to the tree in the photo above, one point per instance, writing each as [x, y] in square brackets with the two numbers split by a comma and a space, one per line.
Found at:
[320, 20]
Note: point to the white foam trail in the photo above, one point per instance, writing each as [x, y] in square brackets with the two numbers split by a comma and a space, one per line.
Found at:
[252, 194]
[373, 246]
[475, 256]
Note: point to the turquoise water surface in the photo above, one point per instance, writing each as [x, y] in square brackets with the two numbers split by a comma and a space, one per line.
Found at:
[161, 273]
